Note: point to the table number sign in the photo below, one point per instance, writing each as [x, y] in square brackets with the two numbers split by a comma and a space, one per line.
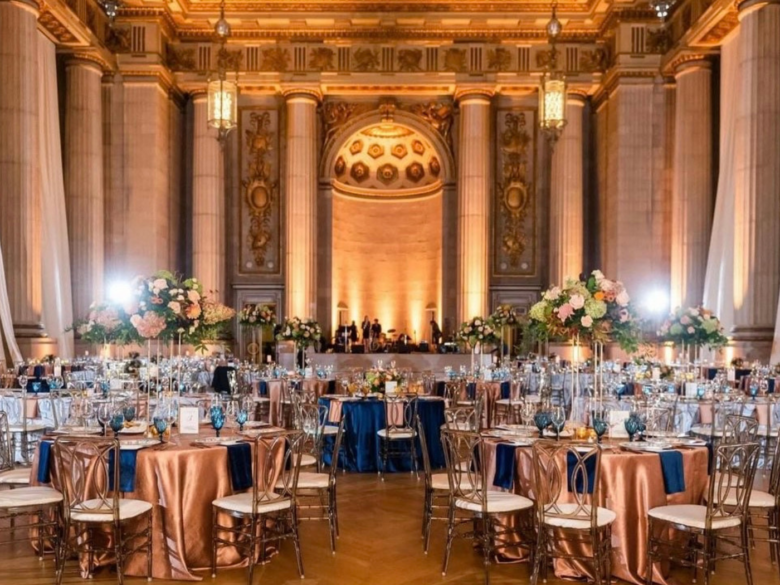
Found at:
[390, 387]
[188, 420]
[617, 420]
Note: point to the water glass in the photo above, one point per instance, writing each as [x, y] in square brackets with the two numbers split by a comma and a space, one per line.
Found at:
[117, 423]
[160, 425]
[217, 421]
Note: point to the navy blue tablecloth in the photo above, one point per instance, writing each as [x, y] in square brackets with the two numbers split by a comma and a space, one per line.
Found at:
[363, 419]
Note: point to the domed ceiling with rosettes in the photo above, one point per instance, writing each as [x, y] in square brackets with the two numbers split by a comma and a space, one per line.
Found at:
[387, 160]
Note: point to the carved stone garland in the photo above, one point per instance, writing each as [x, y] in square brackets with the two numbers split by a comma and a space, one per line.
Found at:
[514, 189]
[260, 190]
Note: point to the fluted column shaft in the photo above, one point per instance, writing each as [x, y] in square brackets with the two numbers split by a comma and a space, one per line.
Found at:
[566, 197]
[208, 202]
[473, 204]
[757, 180]
[692, 183]
[83, 160]
[20, 203]
[301, 203]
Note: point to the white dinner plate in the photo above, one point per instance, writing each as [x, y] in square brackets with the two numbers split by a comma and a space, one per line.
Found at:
[646, 447]
[431, 398]
[78, 431]
[254, 424]
[137, 444]
[564, 434]
[253, 433]
[214, 441]
[135, 428]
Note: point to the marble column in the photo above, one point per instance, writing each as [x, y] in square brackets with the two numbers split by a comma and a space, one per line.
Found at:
[20, 202]
[473, 203]
[301, 203]
[208, 202]
[566, 197]
[692, 185]
[83, 170]
[757, 179]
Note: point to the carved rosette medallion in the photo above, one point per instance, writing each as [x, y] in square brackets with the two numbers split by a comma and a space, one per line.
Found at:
[515, 194]
[260, 190]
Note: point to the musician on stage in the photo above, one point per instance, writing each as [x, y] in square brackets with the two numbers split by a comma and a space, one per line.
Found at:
[353, 333]
[436, 335]
[376, 331]
[366, 327]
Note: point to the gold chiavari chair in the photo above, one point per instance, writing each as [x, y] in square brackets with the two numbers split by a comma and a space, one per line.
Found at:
[464, 418]
[567, 484]
[87, 471]
[437, 489]
[268, 512]
[10, 474]
[397, 439]
[317, 491]
[710, 528]
[312, 419]
[739, 429]
[474, 508]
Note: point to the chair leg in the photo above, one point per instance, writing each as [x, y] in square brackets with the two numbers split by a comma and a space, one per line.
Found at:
[252, 548]
[149, 548]
[486, 532]
[450, 535]
[597, 546]
[297, 542]
[746, 556]
[428, 518]
[214, 533]
[649, 560]
[539, 556]
[120, 553]
[332, 520]
[60, 551]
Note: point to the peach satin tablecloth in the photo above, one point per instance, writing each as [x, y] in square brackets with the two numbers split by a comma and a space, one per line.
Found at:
[631, 485]
[316, 387]
[181, 481]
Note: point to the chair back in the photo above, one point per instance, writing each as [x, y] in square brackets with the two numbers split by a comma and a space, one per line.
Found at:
[334, 461]
[730, 488]
[463, 418]
[566, 481]
[774, 475]
[453, 392]
[464, 454]
[660, 418]
[6, 450]
[426, 457]
[400, 414]
[739, 429]
[311, 420]
[276, 467]
[87, 469]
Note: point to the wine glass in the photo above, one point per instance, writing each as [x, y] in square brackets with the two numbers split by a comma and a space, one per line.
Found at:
[104, 416]
[129, 413]
[558, 420]
[632, 426]
[117, 422]
[23, 381]
[542, 421]
[217, 420]
[599, 425]
[160, 425]
[528, 413]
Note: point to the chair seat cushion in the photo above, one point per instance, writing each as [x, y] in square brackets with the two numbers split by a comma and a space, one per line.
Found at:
[497, 502]
[692, 516]
[96, 511]
[604, 517]
[439, 481]
[242, 503]
[18, 476]
[330, 430]
[311, 480]
[397, 434]
[29, 496]
[758, 499]
[308, 460]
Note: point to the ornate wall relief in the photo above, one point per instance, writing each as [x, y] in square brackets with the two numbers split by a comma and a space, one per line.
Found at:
[259, 196]
[515, 221]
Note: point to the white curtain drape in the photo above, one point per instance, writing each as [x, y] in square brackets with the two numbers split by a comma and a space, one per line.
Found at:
[718, 282]
[7, 337]
[55, 264]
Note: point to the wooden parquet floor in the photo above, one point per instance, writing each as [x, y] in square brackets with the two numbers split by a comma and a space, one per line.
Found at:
[380, 545]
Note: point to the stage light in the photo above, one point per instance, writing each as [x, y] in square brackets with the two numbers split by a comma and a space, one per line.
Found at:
[119, 292]
[656, 302]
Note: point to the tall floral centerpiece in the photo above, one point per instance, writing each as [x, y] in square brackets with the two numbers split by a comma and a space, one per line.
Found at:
[106, 324]
[505, 316]
[692, 328]
[595, 311]
[302, 333]
[256, 317]
[477, 332]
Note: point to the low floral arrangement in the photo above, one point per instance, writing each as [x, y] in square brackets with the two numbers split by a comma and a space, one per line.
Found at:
[694, 326]
[303, 333]
[257, 316]
[478, 330]
[105, 323]
[597, 309]
[214, 322]
[377, 377]
[504, 316]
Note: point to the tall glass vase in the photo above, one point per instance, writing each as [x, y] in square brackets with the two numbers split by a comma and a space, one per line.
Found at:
[598, 372]
[577, 413]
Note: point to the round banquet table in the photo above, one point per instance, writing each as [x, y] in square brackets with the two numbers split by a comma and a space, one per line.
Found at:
[363, 418]
[273, 390]
[181, 481]
[631, 485]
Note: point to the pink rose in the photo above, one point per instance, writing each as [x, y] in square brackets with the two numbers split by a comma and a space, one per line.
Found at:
[587, 321]
[564, 312]
[691, 330]
[193, 296]
[685, 320]
[622, 298]
[175, 307]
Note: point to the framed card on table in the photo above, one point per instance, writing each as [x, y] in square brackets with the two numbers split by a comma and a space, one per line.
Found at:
[188, 420]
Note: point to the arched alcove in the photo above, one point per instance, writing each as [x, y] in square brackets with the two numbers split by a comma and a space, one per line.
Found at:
[385, 189]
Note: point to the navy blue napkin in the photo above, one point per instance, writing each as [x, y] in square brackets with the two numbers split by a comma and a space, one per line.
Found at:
[127, 461]
[44, 462]
[471, 390]
[240, 464]
[263, 388]
[710, 455]
[578, 480]
[505, 466]
[672, 467]
[506, 391]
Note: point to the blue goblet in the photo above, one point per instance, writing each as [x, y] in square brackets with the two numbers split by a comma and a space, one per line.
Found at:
[241, 418]
[753, 390]
[218, 422]
[117, 423]
[160, 425]
[632, 427]
[129, 413]
[542, 421]
[600, 426]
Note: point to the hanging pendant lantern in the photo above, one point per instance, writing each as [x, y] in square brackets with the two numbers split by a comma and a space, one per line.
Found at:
[222, 106]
